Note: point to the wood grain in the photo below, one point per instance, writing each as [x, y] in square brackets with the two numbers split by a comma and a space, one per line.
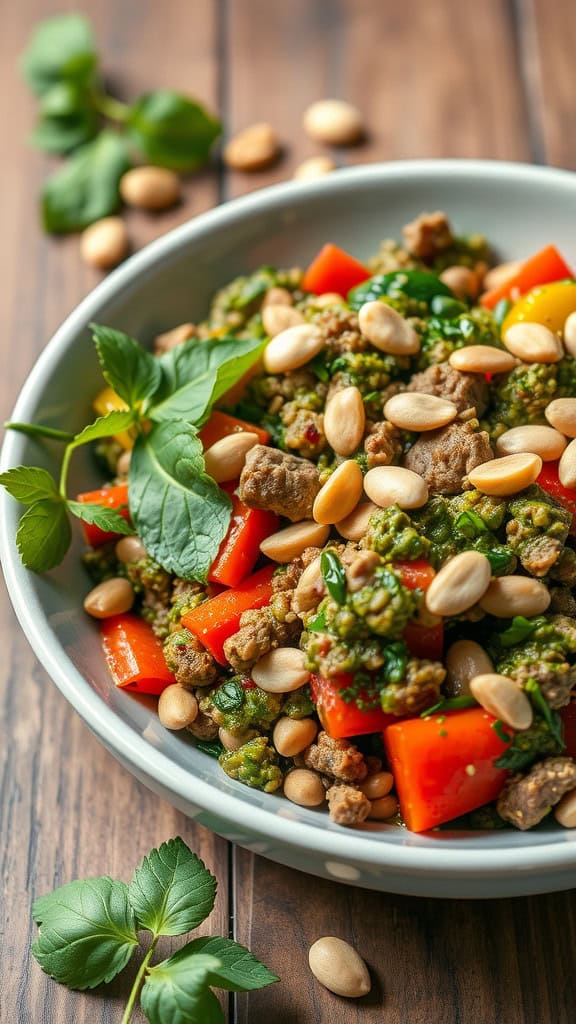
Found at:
[432, 80]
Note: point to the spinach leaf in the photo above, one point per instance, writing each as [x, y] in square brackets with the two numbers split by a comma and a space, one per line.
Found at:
[171, 130]
[179, 512]
[61, 50]
[416, 284]
[86, 187]
[229, 696]
[129, 369]
[67, 119]
[197, 374]
[333, 575]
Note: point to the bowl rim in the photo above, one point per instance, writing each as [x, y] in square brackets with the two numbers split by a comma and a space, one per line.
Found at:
[118, 736]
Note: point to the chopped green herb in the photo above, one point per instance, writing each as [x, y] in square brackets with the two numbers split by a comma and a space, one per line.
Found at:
[211, 747]
[500, 731]
[449, 704]
[518, 630]
[333, 575]
[229, 696]
[552, 718]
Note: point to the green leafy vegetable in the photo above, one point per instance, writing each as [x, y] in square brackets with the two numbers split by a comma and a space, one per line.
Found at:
[43, 535]
[541, 705]
[87, 932]
[28, 484]
[65, 121]
[318, 623]
[519, 629]
[129, 369]
[171, 130]
[470, 523]
[61, 49]
[211, 747]
[416, 284]
[501, 733]
[172, 891]
[449, 704]
[229, 696]
[85, 189]
[197, 373]
[333, 575]
[444, 305]
[99, 515]
[179, 512]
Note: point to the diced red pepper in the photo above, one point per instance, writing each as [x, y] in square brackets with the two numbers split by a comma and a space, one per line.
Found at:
[112, 497]
[341, 717]
[542, 268]
[425, 641]
[443, 766]
[134, 655]
[568, 716]
[549, 481]
[416, 575]
[334, 270]
[217, 619]
[240, 548]
[221, 425]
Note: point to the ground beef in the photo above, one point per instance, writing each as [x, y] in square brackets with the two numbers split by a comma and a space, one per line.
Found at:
[537, 554]
[348, 805]
[203, 727]
[282, 483]
[360, 568]
[564, 571]
[525, 801]
[156, 612]
[384, 445]
[562, 601]
[444, 457]
[339, 328]
[465, 390]
[420, 688]
[555, 677]
[304, 430]
[338, 758]
[428, 235]
[259, 633]
[190, 662]
[287, 385]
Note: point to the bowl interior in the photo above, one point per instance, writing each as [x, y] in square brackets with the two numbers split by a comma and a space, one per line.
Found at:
[519, 209]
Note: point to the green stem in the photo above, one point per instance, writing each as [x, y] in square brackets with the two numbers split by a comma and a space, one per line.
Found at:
[137, 983]
[109, 107]
[64, 469]
[37, 430]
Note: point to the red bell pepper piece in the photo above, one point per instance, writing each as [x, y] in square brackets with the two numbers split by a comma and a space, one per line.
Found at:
[416, 575]
[341, 717]
[425, 641]
[112, 497]
[542, 268]
[221, 425]
[217, 619]
[240, 548]
[333, 270]
[549, 481]
[443, 765]
[134, 655]
[568, 716]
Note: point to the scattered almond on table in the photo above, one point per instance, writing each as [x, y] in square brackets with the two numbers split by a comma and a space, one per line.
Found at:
[252, 149]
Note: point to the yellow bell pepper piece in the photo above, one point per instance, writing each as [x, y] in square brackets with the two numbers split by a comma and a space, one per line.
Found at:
[108, 401]
[548, 304]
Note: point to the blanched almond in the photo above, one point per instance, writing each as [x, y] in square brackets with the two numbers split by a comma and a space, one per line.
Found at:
[177, 707]
[508, 475]
[253, 148]
[499, 275]
[277, 318]
[112, 597]
[482, 359]
[292, 735]
[386, 330]
[281, 671]
[334, 122]
[508, 596]
[543, 441]
[569, 334]
[292, 348]
[151, 188]
[561, 414]
[224, 460]
[293, 540]
[412, 410]
[314, 167]
[394, 485]
[502, 697]
[104, 243]
[464, 282]
[533, 343]
[338, 967]
[344, 420]
[567, 466]
[459, 584]
[340, 494]
[464, 660]
[354, 526]
[304, 788]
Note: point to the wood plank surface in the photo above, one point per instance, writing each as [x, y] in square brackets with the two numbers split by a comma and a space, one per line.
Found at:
[432, 80]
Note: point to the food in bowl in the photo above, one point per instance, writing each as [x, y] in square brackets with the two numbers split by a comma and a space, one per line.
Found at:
[354, 574]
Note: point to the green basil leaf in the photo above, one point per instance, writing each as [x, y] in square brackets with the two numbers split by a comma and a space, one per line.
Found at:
[105, 426]
[552, 718]
[394, 664]
[470, 524]
[318, 623]
[28, 484]
[108, 519]
[333, 575]
[240, 971]
[211, 747]
[87, 932]
[176, 991]
[61, 49]
[172, 891]
[197, 374]
[449, 704]
[416, 284]
[180, 513]
[172, 131]
[43, 535]
[86, 187]
[519, 629]
[129, 369]
[446, 306]
[67, 119]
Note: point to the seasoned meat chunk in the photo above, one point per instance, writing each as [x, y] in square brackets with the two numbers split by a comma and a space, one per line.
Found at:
[554, 675]
[444, 457]
[383, 446]
[525, 801]
[282, 483]
[465, 390]
[304, 431]
[188, 660]
[427, 235]
[338, 758]
[348, 805]
[260, 632]
[562, 601]
[419, 689]
[339, 327]
[203, 727]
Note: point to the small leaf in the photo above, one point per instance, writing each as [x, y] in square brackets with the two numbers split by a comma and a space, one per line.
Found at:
[333, 575]
[43, 535]
[129, 369]
[67, 119]
[172, 131]
[179, 993]
[28, 484]
[85, 189]
[108, 519]
[197, 373]
[240, 970]
[87, 932]
[61, 49]
[105, 426]
[180, 513]
[172, 891]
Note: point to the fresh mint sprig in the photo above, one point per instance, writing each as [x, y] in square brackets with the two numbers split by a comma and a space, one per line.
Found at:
[98, 133]
[88, 932]
[179, 512]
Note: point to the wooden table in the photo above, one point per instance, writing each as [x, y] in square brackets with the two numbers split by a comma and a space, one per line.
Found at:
[493, 79]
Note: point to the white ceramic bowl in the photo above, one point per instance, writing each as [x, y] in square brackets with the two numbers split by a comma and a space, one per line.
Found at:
[520, 209]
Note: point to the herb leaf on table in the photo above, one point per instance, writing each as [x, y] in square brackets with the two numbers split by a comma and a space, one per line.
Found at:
[172, 891]
[85, 189]
[61, 49]
[171, 130]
